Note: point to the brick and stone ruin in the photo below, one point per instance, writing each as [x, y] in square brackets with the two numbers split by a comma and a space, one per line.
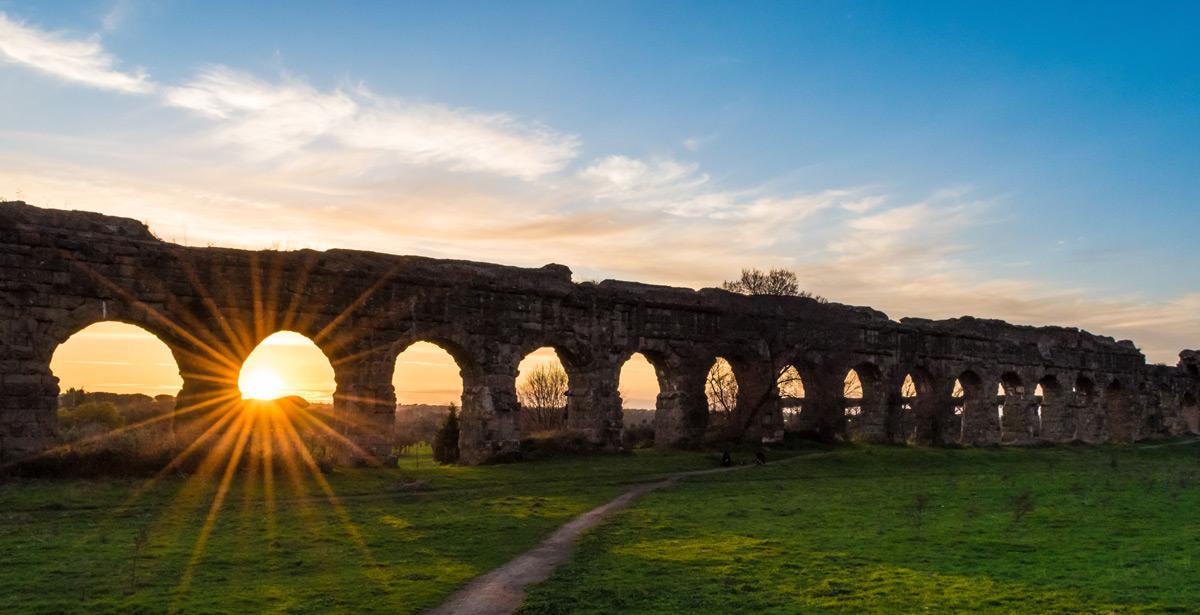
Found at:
[61, 271]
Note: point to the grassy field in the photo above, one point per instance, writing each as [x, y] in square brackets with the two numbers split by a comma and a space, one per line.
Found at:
[394, 540]
[853, 529]
[1071, 529]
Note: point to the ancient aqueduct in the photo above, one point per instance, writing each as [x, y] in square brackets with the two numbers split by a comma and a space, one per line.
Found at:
[61, 271]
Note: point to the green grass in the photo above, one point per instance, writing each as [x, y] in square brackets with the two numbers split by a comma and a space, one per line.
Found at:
[1073, 529]
[854, 529]
[400, 541]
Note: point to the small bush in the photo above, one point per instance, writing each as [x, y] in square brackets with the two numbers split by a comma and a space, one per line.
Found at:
[445, 445]
[99, 413]
[638, 437]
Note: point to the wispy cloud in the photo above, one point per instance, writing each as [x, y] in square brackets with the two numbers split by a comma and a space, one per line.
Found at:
[82, 61]
[117, 14]
[904, 258]
[270, 119]
[622, 176]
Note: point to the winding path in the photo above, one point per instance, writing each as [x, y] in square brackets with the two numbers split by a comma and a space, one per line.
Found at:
[501, 590]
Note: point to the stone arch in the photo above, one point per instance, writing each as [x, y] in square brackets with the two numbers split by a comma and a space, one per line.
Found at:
[273, 363]
[638, 371]
[1014, 409]
[1089, 425]
[722, 392]
[975, 403]
[543, 386]
[864, 403]
[1055, 422]
[821, 415]
[791, 398]
[852, 397]
[95, 312]
[922, 420]
[1119, 416]
[441, 367]
[100, 346]
[1163, 399]
[904, 422]
[1190, 409]
[639, 388]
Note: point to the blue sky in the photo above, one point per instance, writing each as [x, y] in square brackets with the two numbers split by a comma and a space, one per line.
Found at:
[1036, 162]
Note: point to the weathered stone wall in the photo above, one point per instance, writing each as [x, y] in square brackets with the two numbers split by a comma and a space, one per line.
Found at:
[62, 271]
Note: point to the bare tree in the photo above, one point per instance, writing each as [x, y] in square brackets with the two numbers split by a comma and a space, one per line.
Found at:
[777, 282]
[852, 387]
[789, 384]
[852, 393]
[721, 389]
[543, 398]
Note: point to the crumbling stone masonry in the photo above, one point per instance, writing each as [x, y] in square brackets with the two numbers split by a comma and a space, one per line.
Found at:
[61, 271]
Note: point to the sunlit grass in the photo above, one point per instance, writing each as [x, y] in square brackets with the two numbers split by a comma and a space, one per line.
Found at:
[391, 540]
[901, 530]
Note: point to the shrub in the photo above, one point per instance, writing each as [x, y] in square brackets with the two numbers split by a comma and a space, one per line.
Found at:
[638, 437]
[445, 445]
[99, 413]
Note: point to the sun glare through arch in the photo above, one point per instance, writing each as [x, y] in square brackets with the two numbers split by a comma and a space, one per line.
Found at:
[287, 364]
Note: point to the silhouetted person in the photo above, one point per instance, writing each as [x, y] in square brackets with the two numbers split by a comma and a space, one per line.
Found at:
[760, 458]
[726, 460]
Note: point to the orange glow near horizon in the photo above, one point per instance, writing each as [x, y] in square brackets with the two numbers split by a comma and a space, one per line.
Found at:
[427, 374]
[285, 364]
[115, 357]
[639, 383]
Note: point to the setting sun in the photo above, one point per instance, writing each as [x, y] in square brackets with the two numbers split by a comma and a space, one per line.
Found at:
[261, 383]
[285, 364]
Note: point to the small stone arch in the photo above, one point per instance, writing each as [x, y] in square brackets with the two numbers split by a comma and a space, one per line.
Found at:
[1122, 421]
[1055, 421]
[822, 410]
[302, 344]
[864, 403]
[468, 365]
[95, 312]
[425, 360]
[639, 418]
[921, 419]
[543, 403]
[791, 398]
[1012, 405]
[156, 425]
[1190, 409]
[975, 404]
[1089, 421]
[721, 389]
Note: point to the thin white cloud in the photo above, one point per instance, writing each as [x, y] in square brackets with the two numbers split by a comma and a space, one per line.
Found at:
[81, 61]
[117, 14]
[622, 176]
[270, 120]
[904, 260]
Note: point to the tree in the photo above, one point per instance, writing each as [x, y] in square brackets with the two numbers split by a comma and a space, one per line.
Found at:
[445, 445]
[721, 389]
[90, 414]
[543, 398]
[776, 282]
